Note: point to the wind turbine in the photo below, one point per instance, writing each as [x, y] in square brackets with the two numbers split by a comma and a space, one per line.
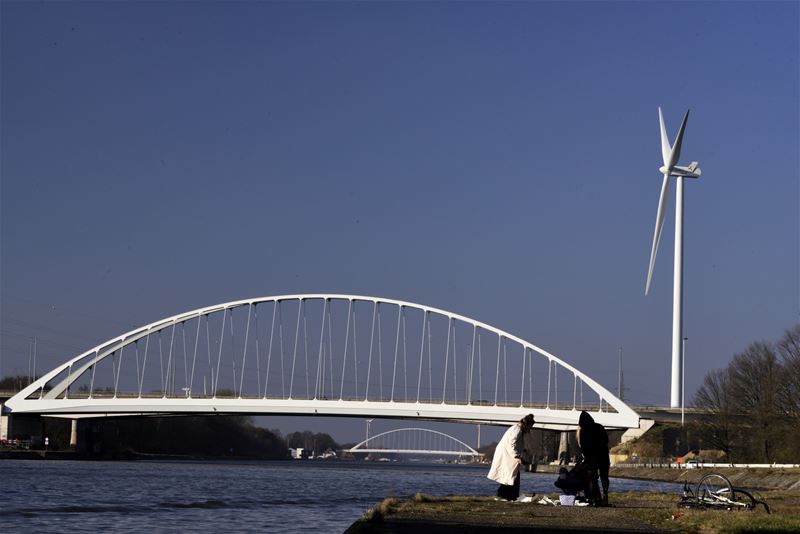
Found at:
[670, 154]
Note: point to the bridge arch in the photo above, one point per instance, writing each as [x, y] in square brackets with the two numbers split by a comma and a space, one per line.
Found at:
[326, 354]
[392, 441]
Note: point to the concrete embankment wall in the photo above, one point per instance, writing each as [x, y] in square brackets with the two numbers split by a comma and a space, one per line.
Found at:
[740, 477]
[38, 455]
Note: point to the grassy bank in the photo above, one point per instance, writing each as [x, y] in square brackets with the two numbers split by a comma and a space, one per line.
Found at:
[633, 512]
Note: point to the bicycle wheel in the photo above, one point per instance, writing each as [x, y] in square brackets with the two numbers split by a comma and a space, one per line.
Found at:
[745, 499]
[715, 490]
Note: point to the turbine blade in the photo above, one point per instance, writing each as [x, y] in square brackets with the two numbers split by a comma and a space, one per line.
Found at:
[662, 210]
[676, 148]
[666, 149]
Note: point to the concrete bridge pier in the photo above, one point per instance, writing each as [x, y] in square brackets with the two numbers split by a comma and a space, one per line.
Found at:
[563, 449]
[73, 434]
[5, 425]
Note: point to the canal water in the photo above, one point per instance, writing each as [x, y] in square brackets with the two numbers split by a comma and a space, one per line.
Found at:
[299, 496]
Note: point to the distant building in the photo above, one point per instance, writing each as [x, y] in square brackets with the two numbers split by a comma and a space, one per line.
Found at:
[296, 454]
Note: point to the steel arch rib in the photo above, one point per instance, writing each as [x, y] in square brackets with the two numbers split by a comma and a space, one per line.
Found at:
[355, 448]
[626, 417]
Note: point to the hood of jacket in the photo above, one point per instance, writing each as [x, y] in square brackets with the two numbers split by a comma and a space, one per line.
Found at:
[585, 420]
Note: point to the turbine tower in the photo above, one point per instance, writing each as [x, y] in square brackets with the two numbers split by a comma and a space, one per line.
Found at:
[670, 155]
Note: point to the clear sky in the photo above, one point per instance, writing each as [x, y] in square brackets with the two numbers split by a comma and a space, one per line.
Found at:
[497, 160]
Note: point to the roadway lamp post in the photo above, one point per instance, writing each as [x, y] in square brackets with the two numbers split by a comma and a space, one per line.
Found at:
[683, 376]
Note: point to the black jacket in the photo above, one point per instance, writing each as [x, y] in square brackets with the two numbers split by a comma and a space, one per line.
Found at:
[593, 440]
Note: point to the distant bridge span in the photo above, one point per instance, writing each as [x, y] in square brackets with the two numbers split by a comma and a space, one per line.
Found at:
[323, 354]
[415, 441]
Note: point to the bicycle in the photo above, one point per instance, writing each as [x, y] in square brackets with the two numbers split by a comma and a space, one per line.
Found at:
[714, 491]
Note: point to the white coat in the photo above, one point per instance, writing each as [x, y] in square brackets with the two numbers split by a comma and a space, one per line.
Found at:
[504, 464]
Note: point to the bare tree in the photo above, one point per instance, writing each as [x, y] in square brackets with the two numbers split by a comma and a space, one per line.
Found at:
[756, 379]
[789, 393]
[753, 405]
[715, 395]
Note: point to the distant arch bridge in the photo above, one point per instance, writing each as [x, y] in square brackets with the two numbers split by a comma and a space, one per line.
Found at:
[323, 354]
[415, 441]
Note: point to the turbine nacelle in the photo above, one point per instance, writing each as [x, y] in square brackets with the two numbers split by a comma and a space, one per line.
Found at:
[692, 171]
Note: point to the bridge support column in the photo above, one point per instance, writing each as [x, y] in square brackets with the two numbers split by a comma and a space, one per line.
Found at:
[5, 425]
[563, 449]
[73, 435]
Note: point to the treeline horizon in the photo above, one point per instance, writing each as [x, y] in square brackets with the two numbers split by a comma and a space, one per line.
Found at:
[218, 436]
[753, 404]
[15, 383]
[212, 435]
[229, 436]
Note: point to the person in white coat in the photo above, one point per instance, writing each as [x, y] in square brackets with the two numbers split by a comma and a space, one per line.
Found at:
[508, 458]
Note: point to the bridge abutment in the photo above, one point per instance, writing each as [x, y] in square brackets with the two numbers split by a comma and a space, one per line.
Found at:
[633, 433]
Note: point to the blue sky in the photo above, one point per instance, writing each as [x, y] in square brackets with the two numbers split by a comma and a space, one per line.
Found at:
[498, 160]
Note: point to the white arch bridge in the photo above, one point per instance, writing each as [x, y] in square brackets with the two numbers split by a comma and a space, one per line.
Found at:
[323, 354]
[415, 441]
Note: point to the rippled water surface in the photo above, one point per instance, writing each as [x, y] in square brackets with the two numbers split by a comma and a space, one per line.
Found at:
[64, 496]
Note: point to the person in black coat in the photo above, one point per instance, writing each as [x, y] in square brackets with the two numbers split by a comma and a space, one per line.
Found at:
[593, 441]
